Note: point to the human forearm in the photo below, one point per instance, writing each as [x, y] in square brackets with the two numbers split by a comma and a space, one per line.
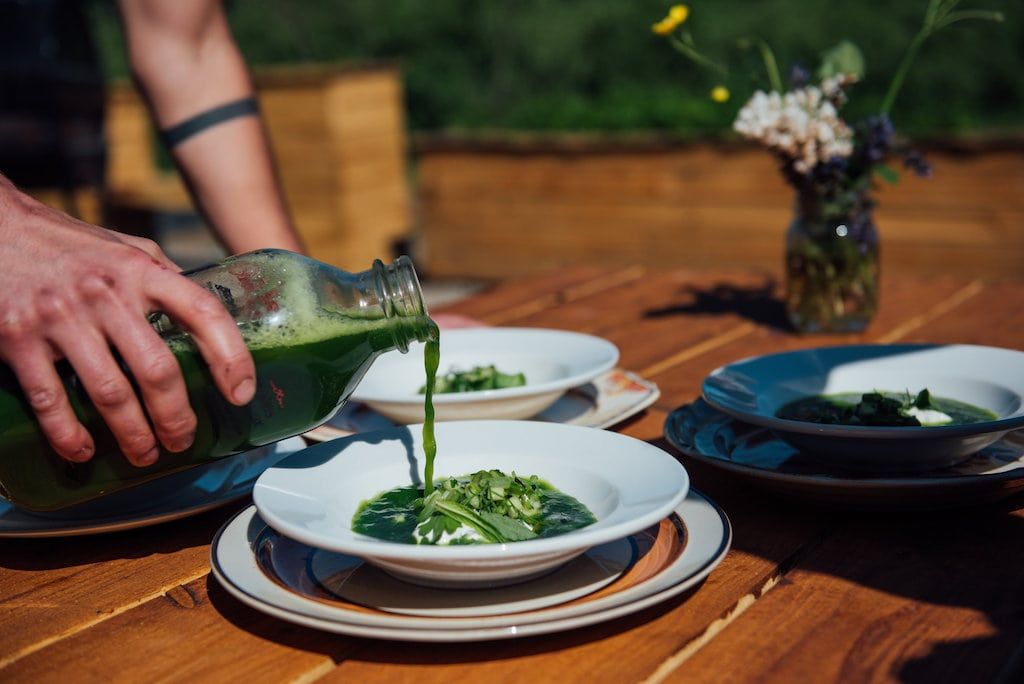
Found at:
[229, 172]
[186, 63]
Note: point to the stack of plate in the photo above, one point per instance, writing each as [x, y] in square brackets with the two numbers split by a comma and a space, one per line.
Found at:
[734, 427]
[294, 555]
[341, 593]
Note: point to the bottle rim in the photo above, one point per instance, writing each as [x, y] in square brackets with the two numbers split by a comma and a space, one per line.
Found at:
[401, 296]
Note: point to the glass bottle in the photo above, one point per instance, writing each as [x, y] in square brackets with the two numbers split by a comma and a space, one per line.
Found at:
[831, 264]
[313, 331]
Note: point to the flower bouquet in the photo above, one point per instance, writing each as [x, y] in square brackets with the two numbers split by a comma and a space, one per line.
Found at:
[832, 250]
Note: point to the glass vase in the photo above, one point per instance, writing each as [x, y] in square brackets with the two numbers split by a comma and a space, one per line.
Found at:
[831, 264]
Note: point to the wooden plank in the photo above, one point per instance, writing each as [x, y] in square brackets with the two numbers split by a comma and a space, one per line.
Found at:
[316, 74]
[194, 632]
[366, 137]
[699, 175]
[296, 111]
[662, 313]
[910, 598]
[995, 317]
[130, 152]
[55, 587]
[697, 207]
[708, 237]
[511, 300]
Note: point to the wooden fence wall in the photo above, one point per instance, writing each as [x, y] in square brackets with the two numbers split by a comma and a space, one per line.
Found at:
[502, 209]
[514, 205]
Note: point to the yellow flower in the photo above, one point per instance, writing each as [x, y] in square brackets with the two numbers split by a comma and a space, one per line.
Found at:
[676, 15]
[719, 93]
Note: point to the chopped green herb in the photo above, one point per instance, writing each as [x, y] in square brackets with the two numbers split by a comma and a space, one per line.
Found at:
[923, 400]
[495, 507]
[478, 379]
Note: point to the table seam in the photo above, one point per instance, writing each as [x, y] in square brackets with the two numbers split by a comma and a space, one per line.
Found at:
[565, 295]
[742, 604]
[81, 627]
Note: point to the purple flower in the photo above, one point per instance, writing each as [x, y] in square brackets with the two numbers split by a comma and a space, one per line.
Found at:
[875, 134]
[915, 161]
[830, 172]
[798, 77]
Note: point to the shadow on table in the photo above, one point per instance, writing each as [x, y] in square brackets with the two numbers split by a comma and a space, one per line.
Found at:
[961, 558]
[757, 304]
[65, 552]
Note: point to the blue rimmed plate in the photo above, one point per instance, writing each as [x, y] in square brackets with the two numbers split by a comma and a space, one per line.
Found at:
[755, 455]
[753, 390]
[172, 497]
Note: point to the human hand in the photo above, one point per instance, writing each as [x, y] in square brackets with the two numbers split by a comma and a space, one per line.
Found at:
[73, 290]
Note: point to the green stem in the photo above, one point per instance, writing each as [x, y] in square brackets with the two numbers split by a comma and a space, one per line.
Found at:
[901, 72]
[697, 57]
[932, 11]
[770, 65]
[939, 15]
[981, 15]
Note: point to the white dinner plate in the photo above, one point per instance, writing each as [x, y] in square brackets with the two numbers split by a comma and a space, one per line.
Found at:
[757, 456]
[348, 581]
[604, 402]
[626, 483]
[754, 389]
[180, 495]
[705, 539]
[553, 362]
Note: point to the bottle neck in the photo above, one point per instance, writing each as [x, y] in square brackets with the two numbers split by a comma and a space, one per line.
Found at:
[401, 298]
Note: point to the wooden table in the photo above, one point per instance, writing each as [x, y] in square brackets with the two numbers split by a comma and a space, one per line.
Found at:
[805, 594]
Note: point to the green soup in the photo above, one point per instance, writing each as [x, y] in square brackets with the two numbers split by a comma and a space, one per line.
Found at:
[395, 515]
[884, 409]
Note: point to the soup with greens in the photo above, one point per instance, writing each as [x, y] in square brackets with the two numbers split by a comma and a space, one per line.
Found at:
[884, 409]
[486, 507]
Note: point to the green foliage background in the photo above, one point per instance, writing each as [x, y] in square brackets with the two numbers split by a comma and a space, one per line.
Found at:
[594, 65]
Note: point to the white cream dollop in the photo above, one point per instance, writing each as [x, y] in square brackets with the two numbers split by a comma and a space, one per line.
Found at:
[463, 532]
[929, 416]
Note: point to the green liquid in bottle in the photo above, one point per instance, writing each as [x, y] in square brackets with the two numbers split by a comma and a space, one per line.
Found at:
[320, 333]
[300, 383]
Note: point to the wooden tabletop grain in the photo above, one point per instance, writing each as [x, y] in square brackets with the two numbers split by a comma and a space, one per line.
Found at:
[806, 594]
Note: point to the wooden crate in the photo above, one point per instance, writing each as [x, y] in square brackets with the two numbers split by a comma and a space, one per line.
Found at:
[498, 209]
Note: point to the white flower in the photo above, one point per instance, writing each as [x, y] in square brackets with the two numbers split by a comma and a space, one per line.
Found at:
[803, 125]
[834, 87]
